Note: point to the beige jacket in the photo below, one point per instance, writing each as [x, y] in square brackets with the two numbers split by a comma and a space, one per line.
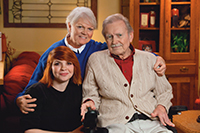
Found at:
[114, 98]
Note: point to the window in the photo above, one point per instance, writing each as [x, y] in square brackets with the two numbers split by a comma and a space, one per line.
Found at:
[41, 13]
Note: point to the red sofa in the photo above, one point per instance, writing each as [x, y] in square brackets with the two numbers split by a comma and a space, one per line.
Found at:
[14, 82]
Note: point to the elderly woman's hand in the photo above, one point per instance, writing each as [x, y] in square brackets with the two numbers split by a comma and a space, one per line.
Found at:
[160, 66]
[23, 102]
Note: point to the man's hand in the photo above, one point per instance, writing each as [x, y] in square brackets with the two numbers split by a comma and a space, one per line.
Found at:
[160, 111]
[23, 102]
[84, 107]
[160, 66]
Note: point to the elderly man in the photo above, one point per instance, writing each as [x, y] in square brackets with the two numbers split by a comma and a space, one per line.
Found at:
[122, 85]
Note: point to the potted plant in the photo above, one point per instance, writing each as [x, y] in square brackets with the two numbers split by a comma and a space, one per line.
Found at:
[180, 42]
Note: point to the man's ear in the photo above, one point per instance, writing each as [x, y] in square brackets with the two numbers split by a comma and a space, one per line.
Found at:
[131, 35]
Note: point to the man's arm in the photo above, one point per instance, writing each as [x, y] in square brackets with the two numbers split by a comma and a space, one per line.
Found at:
[91, 96]
[163, 95]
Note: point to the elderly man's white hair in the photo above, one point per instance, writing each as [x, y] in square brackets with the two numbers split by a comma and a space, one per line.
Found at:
[116, 17]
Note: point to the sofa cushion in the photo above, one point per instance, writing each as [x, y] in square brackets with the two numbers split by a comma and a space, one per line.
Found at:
[18, 77]
[30, 58]
[15, 81]
[24, 61]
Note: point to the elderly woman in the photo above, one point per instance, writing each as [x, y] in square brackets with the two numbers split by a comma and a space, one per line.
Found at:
[81, 23]
[58, 93]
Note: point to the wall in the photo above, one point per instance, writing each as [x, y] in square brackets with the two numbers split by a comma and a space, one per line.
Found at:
[39, 39]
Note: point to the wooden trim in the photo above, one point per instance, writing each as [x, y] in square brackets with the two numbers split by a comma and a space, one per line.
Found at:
[94, 7]
[197, 89]
[5, 12]
[161, 27]
[167, 27]
[134, 13]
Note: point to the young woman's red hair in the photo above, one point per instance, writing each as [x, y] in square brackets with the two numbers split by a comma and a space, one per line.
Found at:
[61, 53]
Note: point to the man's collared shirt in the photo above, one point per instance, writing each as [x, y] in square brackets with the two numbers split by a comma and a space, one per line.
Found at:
[126, 64]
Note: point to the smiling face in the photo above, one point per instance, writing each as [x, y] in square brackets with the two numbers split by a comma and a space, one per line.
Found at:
[62, 70]
[118, 39]
[80, 32]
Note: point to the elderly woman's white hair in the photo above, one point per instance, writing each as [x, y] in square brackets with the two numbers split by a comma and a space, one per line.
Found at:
[81, 12]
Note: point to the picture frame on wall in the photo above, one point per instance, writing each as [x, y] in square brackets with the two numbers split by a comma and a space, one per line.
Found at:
[147, 45]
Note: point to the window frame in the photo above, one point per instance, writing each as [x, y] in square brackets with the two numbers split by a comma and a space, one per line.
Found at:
[7, 24]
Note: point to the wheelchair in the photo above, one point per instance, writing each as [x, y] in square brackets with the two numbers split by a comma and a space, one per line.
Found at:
[91, 120]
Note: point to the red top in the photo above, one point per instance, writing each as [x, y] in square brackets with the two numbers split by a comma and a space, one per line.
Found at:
[126, 64]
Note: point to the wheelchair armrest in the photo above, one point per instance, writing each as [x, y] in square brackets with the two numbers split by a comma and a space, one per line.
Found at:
[176, 110]
[90, 121]
[173, 111]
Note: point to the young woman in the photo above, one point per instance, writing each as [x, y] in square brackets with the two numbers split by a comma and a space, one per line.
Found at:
[58, 94]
